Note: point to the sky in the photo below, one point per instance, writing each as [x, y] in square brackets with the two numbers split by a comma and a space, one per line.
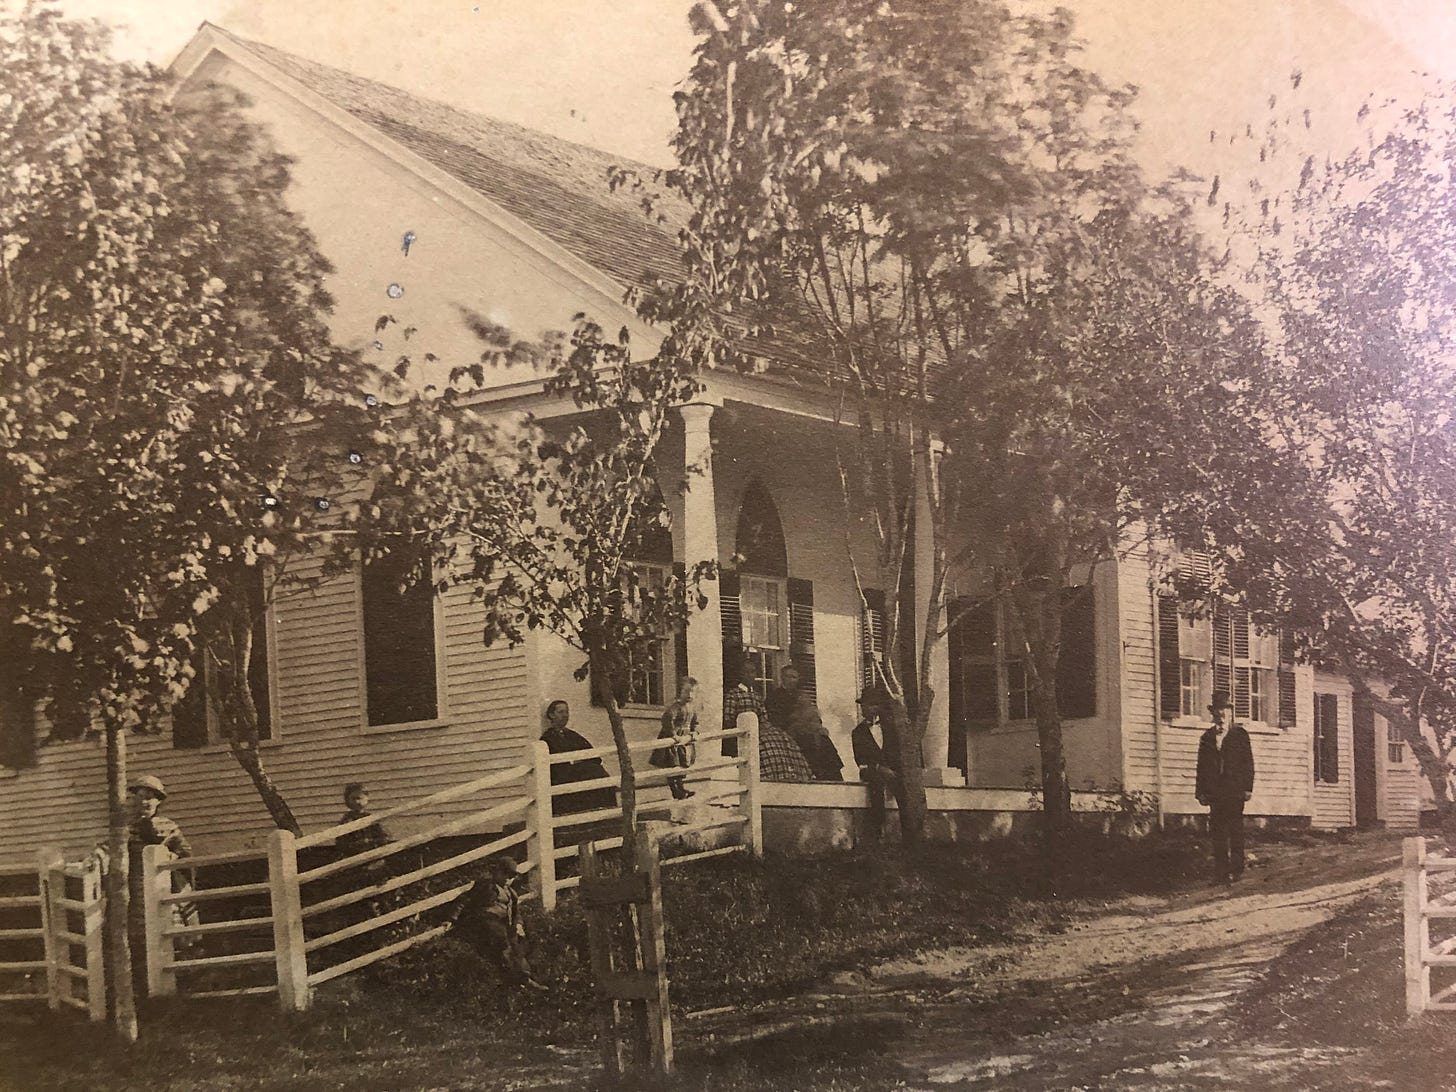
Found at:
[601, 72]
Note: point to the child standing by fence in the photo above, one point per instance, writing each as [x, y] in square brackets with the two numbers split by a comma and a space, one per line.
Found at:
[680, 726]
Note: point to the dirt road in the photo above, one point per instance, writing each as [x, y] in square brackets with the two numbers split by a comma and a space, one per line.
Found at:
[1133, 995]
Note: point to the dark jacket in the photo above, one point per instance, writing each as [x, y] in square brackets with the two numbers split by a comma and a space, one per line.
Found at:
[869, 753]
[1225, 773]
[563, 741]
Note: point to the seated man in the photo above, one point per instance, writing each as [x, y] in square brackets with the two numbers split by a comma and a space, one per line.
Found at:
[793, 710]
[876, 753]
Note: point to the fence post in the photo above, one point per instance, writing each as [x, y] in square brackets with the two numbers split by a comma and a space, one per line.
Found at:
[545, 832]
[653, 947]
[157, 915]
[287, 904]
[1417, 932]
[52, 921]
[752, 798]
[93, 927]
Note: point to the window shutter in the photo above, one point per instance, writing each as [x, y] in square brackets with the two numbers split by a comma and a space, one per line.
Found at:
[1222, 648]
[17, 728]
[1239, 625]
[189, 716]
[1287, 713]
[1330, 738]
[871, 635]
[801, 632]
[1170, 679]
[679, 635]
[1077, 659]
[732, 628]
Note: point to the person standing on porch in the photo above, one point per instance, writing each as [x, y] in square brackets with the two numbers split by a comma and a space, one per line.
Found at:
[1224, 783]
[876, 753]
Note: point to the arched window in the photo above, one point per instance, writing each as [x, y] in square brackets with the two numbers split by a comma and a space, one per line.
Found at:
[765, 611]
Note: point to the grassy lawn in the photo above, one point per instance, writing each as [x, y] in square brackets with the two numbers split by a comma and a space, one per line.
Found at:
[740, 933]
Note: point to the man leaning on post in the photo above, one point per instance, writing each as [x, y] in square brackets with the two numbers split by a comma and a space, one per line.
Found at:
[1224, 784]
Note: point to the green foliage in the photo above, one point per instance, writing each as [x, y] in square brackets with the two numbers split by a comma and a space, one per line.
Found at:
[943, 197]
[1332, 505]
[165, 367]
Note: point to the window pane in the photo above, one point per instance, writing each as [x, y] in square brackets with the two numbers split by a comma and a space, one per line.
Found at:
[1194, 638]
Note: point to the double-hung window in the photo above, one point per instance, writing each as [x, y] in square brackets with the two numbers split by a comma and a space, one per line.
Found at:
[991, 680]
[764, 606]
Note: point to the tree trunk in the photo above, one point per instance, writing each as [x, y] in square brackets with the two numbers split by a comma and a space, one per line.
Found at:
[118, 890]
[252, 763]
[600, 670]
[910, 795]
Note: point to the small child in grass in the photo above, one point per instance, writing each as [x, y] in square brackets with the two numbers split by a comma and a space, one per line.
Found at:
[489, 921]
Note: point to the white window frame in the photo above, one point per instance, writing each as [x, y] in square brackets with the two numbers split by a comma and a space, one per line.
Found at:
[442, 715]
[771, 657]
[1395, 745]
[668, 669]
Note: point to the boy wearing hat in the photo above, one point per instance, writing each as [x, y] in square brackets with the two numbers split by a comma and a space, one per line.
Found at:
[148, 828]
[489, 920]
[1225, 781]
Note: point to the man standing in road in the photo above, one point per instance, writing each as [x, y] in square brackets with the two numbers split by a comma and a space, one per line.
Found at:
[1225, 781]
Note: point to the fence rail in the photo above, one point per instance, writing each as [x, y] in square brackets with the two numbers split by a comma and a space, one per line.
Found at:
[1422, 907]
[336, 907]
[50, 949]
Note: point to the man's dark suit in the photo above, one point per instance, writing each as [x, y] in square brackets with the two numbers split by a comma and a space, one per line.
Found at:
[1225, 779]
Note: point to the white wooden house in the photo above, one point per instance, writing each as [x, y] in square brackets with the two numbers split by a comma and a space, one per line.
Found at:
[520, 229]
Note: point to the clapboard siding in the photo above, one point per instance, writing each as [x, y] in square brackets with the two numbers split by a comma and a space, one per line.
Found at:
[322, 742]
[1400, 796]
[1138, 644]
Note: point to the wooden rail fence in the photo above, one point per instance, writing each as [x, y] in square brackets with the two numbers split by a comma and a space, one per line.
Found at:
[1430, 897]
[296, 927]
[50, 945]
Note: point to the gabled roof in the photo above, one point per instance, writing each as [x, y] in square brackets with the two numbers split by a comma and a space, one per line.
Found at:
[555, 186]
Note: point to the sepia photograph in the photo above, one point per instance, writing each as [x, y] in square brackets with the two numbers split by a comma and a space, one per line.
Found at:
[803, 545]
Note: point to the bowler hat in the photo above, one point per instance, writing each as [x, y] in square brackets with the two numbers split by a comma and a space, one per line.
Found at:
[150, 783]
[873, 695]
[1220, 701]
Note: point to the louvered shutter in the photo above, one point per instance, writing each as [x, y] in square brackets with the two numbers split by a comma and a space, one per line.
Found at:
[871, 636]
[1170, 681]
[1077, 658]
[955, 653]
[1287, 714]
[1239, 625]
[732, 614]
[1222, 648]
[801, 632]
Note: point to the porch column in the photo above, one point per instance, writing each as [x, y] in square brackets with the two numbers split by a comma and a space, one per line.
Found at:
[935, 748]
[700, 543]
